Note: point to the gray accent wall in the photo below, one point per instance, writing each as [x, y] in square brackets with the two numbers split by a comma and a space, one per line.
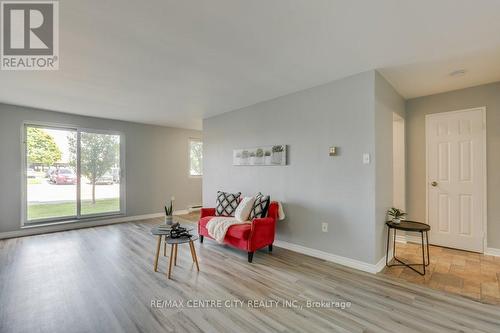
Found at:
[313, 187]
[156, 165]
[485, 95]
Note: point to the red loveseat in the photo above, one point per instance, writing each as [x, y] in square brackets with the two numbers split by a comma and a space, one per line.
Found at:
[248, 237]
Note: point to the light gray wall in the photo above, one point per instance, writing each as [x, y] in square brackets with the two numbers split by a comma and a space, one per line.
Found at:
[314, 187]
[387, 102]
[157, 162]
[416, 109]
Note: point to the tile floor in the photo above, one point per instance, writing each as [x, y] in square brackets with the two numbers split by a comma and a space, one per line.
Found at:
[469, 274]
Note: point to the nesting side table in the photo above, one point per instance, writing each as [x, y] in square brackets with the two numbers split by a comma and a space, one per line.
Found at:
[164, 233]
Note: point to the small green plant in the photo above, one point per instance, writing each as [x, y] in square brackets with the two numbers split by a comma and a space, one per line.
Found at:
[169, 209]
[267, 153]
[259, 152]
[396, 213]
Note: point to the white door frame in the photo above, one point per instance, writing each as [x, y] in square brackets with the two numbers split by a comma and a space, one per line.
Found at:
[485, 176]
[396, 118]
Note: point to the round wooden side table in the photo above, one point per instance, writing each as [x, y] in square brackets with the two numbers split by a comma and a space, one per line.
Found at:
[411, 226]
[163, 232]
[173, 251]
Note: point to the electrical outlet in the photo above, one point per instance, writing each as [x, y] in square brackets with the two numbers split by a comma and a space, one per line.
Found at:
[324, 227]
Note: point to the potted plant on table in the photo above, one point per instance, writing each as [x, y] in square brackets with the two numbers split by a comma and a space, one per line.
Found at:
[396, 214]
[168, 213]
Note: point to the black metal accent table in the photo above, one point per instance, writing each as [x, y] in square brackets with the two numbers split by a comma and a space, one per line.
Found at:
[413, 227]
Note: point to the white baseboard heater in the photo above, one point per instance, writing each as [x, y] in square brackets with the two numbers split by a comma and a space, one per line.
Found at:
[194, 208]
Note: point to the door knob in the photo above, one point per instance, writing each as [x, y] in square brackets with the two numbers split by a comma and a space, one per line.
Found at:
[434, 183]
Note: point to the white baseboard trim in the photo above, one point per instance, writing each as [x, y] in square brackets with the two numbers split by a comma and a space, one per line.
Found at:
[352, 263]
[36, 230]
[380, 265]
[491, 251]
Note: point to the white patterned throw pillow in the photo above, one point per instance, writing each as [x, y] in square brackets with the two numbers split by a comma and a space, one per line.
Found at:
[260, 206]
[226, 203]
[244, 208]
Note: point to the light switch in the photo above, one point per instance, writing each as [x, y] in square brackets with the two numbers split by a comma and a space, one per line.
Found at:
[366, 158]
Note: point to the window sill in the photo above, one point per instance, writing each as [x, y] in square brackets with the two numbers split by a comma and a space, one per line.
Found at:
[28, 225]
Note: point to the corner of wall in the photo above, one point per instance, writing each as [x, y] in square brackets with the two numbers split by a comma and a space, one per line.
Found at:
[387, 102]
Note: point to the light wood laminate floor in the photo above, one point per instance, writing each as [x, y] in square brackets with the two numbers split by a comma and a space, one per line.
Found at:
[101, 280]
[192, 217]
[470, 274]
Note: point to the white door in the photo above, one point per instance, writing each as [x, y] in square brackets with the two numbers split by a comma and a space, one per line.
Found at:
[456, 171]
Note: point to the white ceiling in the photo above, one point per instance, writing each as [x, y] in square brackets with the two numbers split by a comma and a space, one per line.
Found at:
[175, 62]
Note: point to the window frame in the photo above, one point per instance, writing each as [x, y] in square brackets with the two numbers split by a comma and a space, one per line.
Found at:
[78, 217]
[199, 140]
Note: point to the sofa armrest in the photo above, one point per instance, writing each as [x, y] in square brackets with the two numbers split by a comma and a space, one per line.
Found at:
[263, 222]
[207, 212]
[263, 226]
[262, 233]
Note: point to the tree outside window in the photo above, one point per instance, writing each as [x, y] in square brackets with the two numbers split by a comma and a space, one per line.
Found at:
[195, 158]
[99, 153]
[42, 148]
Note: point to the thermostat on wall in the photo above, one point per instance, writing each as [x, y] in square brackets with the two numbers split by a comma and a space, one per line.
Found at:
[333, 151]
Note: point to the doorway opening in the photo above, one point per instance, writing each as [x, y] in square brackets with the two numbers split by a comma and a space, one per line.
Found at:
[398, 169]
[398, 162]
[456, 207]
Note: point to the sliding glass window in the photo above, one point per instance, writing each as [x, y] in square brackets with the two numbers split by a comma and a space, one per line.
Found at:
[71, 174]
